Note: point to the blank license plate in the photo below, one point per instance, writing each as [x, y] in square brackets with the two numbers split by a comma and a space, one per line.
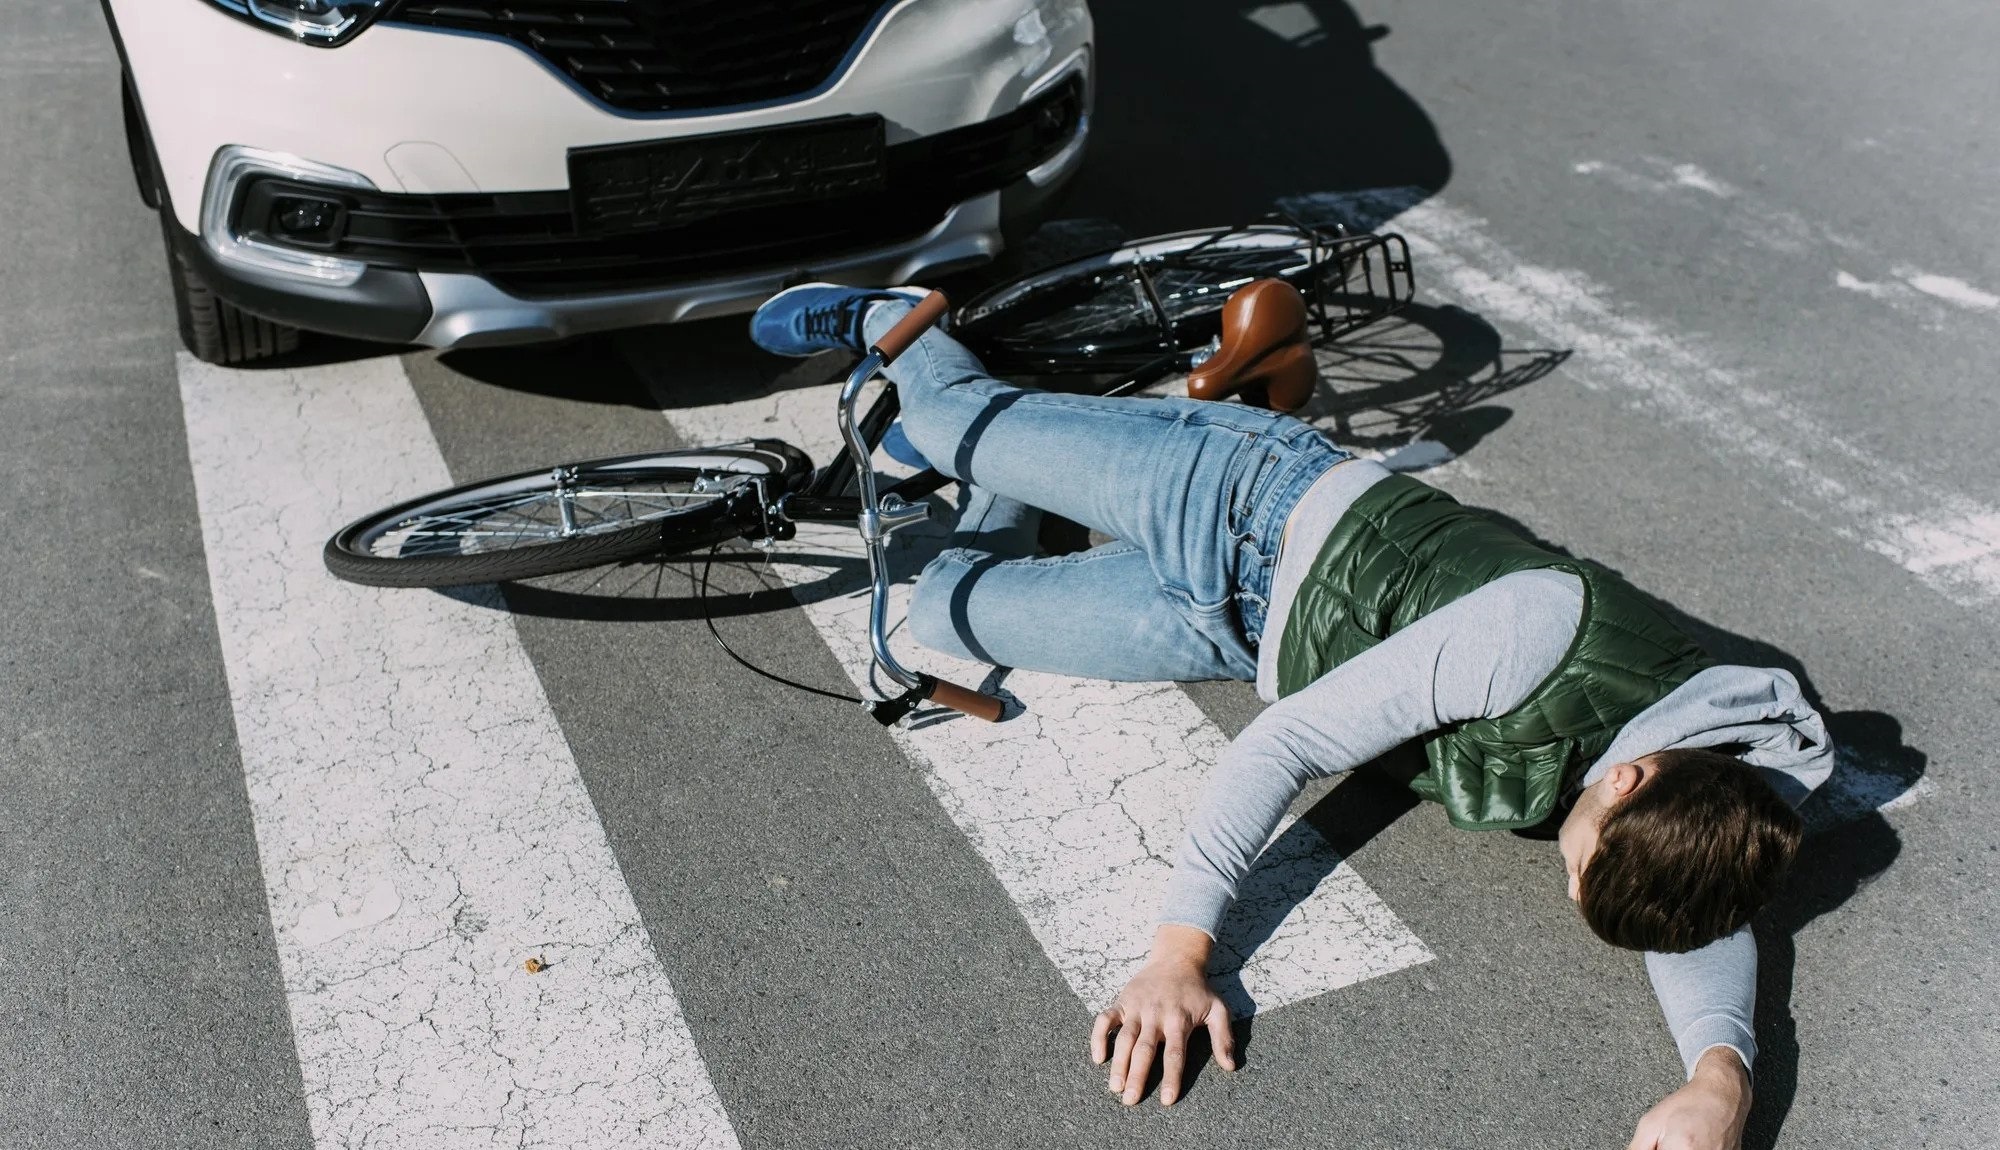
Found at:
[663, 183]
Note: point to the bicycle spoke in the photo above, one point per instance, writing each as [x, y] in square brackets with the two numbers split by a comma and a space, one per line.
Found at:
[513, 519]
[1117, 303]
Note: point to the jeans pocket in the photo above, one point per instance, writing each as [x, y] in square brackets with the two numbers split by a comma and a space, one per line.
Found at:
[1256, 461]
[1221, 625]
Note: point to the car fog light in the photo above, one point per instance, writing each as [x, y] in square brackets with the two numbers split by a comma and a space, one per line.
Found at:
[306, 220]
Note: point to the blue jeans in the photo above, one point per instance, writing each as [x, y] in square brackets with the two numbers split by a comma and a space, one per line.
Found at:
[1195, 494]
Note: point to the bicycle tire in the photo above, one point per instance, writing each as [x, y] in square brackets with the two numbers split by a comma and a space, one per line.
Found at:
[620, 507]
[1125, 308]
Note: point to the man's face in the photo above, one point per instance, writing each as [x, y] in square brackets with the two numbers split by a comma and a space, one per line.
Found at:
[1578, 837]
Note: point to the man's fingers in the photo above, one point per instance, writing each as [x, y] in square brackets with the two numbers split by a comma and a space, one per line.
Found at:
[1100, 1034]
[1173, 1060]
[1142, 1064]
[1220, 1039]
[1121, 1054]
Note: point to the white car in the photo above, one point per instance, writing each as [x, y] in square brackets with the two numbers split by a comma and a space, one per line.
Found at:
[453, 173]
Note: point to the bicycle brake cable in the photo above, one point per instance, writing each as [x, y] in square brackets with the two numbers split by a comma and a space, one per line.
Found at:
[708, 565]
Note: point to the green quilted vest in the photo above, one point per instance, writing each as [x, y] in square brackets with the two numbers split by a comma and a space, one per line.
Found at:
[1404, 550]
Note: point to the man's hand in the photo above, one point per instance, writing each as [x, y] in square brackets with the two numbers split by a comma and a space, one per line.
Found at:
[1706, 1114]
[1157, 1011]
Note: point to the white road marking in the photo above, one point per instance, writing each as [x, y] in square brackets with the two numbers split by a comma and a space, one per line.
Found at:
[1950, 289]
[419, 816]
[1078, 802]
[1912, 291]
[1948, 540]
[1691, 176]
[1848, 281]
[1292, 22]
[1418, 455]
[1753, 221]
[1860, 786]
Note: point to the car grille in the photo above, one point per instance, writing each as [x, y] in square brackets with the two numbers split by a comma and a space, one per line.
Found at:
[528, 243]
[670, 55]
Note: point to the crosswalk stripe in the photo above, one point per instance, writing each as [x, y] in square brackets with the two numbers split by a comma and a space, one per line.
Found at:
[1077, 803]
[421, 823]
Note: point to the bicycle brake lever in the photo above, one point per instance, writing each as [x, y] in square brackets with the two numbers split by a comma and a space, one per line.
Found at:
[889, 712]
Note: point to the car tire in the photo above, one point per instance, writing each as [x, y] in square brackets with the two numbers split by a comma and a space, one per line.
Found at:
[213, 329]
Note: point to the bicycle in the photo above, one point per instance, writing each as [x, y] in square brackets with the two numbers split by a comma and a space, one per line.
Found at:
[1111, 323]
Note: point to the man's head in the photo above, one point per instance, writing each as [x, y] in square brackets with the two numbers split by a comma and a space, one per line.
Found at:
[1674, 850]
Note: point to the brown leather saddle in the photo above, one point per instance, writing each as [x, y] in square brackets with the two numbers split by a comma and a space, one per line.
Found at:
[1266, 355]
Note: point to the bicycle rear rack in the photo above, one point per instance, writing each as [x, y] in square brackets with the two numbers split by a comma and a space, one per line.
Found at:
[1374, 280]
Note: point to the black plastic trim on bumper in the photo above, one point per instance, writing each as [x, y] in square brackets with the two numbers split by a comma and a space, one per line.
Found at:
[529, 244]
[383, 306]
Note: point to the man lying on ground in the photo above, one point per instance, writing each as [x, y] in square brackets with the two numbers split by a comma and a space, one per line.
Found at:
[1371, 610]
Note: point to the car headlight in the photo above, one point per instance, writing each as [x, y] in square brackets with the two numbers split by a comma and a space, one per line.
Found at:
[322, 22]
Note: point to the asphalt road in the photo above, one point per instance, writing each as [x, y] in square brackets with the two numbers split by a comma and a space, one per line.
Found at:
[1710, 297]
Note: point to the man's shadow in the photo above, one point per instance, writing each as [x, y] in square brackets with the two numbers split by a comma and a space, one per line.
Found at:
[1849, 843]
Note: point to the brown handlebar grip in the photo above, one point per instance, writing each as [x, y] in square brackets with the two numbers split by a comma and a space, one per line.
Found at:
[898, 339]
[966, 702]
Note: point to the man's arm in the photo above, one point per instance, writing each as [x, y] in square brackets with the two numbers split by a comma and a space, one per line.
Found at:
[1470, 659]
[1709, 997]
[1478, 656]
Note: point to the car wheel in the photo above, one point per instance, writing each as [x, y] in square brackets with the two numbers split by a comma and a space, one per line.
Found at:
[215, 330]
[212, 328]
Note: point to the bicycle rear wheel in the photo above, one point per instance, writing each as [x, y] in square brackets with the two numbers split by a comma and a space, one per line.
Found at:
[568, 518]
[1156, 301]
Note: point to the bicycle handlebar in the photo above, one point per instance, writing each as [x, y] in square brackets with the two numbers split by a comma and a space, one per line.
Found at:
[966, 702]
[893, 343]
[898, 339]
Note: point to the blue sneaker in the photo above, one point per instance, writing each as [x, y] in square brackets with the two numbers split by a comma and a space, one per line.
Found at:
[812, 318]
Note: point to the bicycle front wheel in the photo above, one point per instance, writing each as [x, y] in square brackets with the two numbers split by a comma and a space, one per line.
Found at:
[568, 518]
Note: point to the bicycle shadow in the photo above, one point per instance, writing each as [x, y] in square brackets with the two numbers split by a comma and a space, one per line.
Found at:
[1418, 376]
[1848, 845]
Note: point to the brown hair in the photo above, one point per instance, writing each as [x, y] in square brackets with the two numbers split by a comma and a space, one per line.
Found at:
[1689, 856]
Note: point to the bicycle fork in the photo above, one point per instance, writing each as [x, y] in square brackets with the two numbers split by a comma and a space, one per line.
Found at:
[882, 514]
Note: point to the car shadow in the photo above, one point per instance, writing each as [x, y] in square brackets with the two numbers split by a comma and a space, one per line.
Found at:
[319, 350]
[587, 369]
[1848, 845]
[1267, 101]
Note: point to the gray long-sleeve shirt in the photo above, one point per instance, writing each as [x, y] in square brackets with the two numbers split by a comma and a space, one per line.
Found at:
[1477, 657]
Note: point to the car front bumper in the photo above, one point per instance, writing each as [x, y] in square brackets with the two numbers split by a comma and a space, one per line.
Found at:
[454, 310]
[457, 301]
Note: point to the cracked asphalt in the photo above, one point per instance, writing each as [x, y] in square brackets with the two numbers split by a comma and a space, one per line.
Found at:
[1702, 296]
